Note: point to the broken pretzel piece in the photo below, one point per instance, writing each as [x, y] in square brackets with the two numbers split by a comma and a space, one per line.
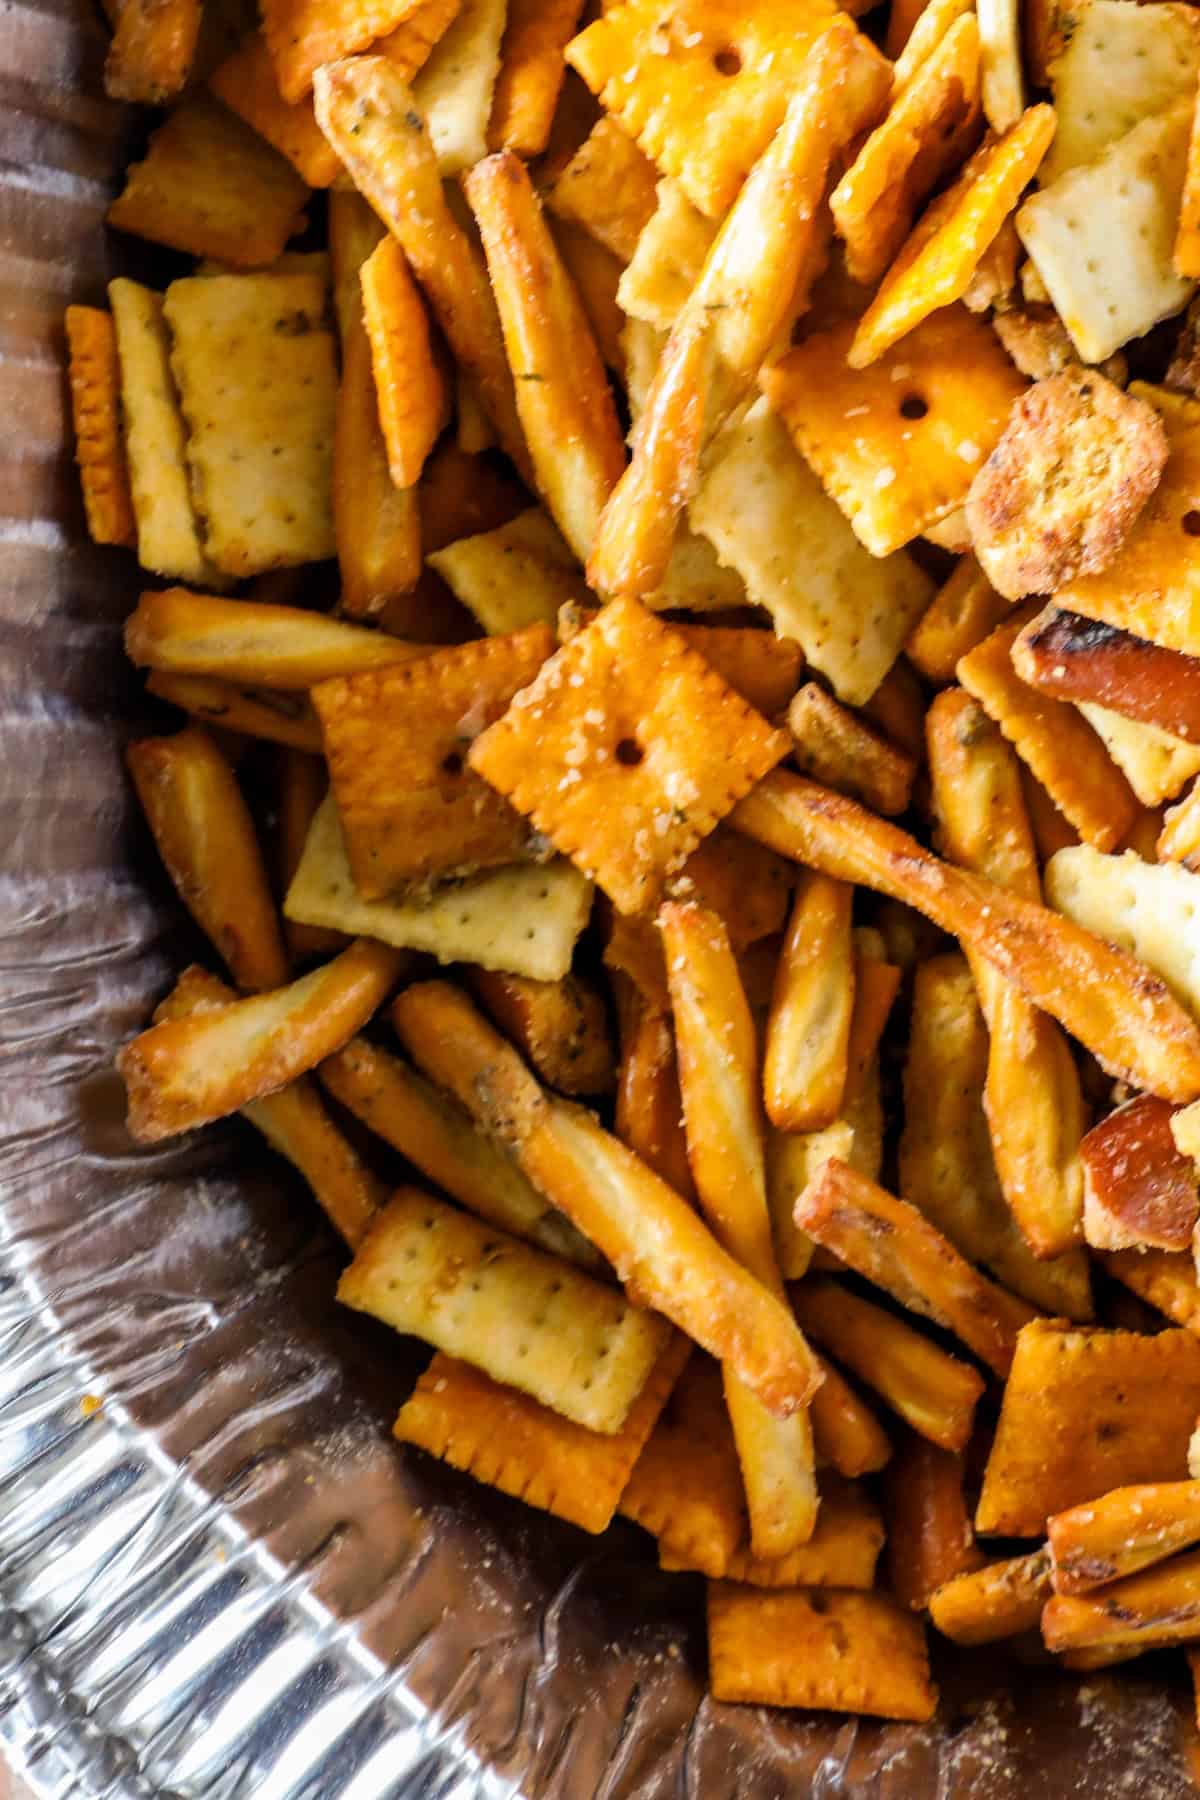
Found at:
[1139, 1189]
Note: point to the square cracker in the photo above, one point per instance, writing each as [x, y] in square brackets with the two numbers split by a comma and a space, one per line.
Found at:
[409, 47]
[1120, 64]
[897, 444]
[524, 919]
[511, 1442]
[1156, 764]
[303, 34]
[701, 84]
[210, 186]
[1084, 1412]
[608, 187]
[411, 810]
[1102, 237]
[247, 83]
[593, 754]
[519, 574]
[686, 1487]
[835, 1651]
[1152, 585]
[168, 536]
[667, 259]
[1149, 909]
[255, 366]
[768, 517]
[841, 1553]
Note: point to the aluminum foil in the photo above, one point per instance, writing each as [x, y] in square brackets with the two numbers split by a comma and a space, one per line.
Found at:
[218, 1575]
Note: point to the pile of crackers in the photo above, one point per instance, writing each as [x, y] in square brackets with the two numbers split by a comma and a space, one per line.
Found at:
[674, 535]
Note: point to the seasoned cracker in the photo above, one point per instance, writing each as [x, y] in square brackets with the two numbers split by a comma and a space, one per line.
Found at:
[561, 1026]
[937, 263]
[95, 377]
[686, 1487]
[842, 1553]
[453, 91]
[1118, 65]
[964, 611]
[1103, 236]
[1052, 738]
[508, 1440]
[255, 366]
[529, 1320]
[1147, 908]
[1062, 489]
[168, 536]
[397, 743]
[410, 44]
[1040, 345]
[211, 186]
[524, 919]
[1165, 1280]
[836, 1652]
[1156, 763]
[614, 784]
[410, 387]
[836, 747]
[1003, 76]
[531, 73]
[701, 88]
[897, 444]
[303, 34]
[762, 668]
[769, 518]
[520, 574]
[667, 259]
[152, 49]
[1083, 1412]
[247, 84]
[608, 187]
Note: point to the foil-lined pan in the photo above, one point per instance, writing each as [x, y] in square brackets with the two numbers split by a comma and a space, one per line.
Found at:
[218, 1575]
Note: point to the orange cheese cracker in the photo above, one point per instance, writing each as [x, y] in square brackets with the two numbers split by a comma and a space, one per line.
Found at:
[702, 87]
[410, 807]
[151, 53]
[897, 445]
[303, 34]
[247, 84]
[410, 387]
[531, 73]
[211, 186]
[510, 1441]
[409, 45]
[686, 1487]
[1085, 1411]
[833, 1651]
[608, 187]
[591, 752]
[95, 378]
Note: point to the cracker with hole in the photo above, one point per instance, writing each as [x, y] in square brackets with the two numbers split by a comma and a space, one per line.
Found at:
[527, 1319]
[509, 1441]
[667, 259]
[939, 259]
[210, 186]
[410, 387]
[525, 918]
[1103, 236]
[1118, 65]
[520, 574]
[1152, 586]
[247, 84]
[255, 365]
[768, 517]
[835, 1652]
[531, 73]
[930, 124]
[302, 34]
[95, 377]
[1085, 1412]
[1050, 736]
[453, 91]
[701, 88]
[397, 743]
[608, 187]
[898, 443]
[168, 534]
[590, 754]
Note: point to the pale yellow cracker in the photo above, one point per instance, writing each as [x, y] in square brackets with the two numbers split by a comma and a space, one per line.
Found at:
[1149, 909]
[518, 575]
[249, 87]
[1156, 764]
[453, 91]
[511, 1442]
[1003, 75]
[95, 377]
[591, 752]
[836, 1652]
[702, 87]
[168, 537]
[524, 919]
[768, 517]
[897, 444]
[935, 266]
[528, 1319]
[1083, 1412]
[1103, 236]
[667, 259]
[1120, 63]
[211, 186]
[254, 362]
